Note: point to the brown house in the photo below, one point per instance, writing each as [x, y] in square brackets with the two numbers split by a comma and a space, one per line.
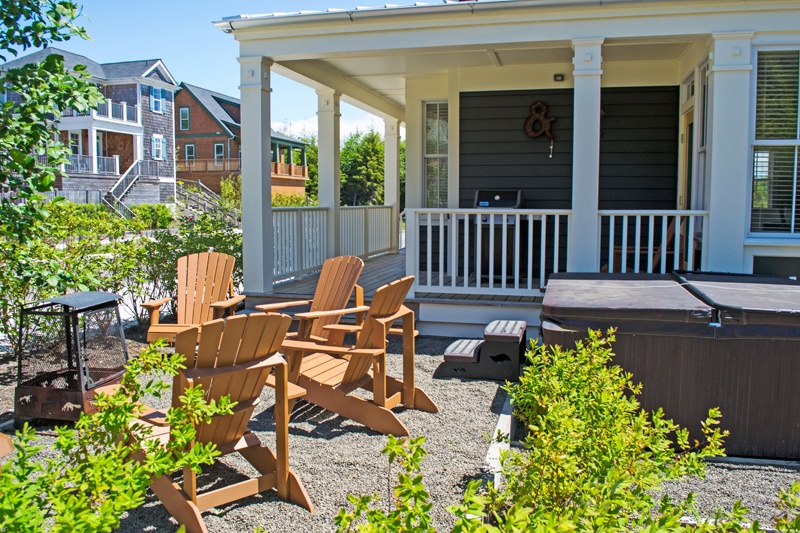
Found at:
[207, 143]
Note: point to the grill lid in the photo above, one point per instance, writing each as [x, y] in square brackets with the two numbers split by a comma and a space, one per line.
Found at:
[497, 198]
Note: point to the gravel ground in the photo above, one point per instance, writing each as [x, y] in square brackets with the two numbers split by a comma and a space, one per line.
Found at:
[334, 457]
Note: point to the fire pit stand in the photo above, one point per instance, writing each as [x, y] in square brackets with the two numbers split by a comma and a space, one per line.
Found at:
[69, 346]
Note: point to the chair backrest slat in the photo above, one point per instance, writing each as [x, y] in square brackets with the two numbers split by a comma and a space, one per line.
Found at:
[336, 283]
[237, 340]
[182, 297]
[203, 279]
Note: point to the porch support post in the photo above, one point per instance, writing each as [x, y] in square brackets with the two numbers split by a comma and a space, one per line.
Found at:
[584, 238]
[328, 164]
[138, 148]
[92, 147]
[728, 151]
[256, 174]
[391, 177]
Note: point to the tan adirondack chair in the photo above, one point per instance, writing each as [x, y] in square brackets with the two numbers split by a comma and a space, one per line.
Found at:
[205, 292]
[337, 282]
[233, 357]
[6, 445]
[330, 373]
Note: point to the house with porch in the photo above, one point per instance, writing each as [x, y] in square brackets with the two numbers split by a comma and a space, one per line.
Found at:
[541, 136]
[208, 140]
[122, 153]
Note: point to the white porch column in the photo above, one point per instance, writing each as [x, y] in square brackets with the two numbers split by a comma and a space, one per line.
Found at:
[584, 245]
[728, 151]
[92, 147]
[391, 177]
[138, 148]
[328, 164]
[256, 175]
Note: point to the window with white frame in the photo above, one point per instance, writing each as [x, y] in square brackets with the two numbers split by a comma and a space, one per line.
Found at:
[219, 153]
[158, 100]
[436, 150]
[75, 142]
[183, 118]
[775, 195]
[191, 152]
[158, 147]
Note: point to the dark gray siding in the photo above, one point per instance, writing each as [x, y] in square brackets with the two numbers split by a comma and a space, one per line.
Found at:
[497, 154]
[639, 148]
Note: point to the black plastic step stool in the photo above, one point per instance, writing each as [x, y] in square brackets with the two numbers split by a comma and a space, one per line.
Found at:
[497, 357]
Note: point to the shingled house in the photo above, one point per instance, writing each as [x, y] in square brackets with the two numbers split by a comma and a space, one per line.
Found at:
[208, 132]
[124, 150]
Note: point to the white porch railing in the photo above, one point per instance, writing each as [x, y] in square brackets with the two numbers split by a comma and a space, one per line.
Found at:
[646, 241]
[299, 241]
[485, 251]
[365, 231]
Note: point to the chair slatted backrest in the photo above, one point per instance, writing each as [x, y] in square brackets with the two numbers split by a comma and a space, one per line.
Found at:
[388, 301]
[334, 287]
[223, 343]
[203, 279]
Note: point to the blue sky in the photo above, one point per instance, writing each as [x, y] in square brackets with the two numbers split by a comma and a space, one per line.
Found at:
[182, 34]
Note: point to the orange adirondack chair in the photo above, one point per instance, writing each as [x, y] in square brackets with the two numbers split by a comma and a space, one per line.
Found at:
[6, 445]
[336, 283]
[233, 357]
[330, 373]
[205, 292]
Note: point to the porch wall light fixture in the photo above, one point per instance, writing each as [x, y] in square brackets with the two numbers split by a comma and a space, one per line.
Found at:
[558, 77]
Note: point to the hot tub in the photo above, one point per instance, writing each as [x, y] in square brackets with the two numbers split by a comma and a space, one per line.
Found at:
[696, 341]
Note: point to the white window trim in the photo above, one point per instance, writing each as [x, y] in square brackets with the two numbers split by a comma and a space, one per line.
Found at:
[180, 119]
[80, 140]
[219, 161]
[157, 141]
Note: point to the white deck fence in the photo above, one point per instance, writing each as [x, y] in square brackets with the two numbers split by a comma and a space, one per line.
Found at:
[364, 231]
[646, 241]
[485, 251]
[299, 241]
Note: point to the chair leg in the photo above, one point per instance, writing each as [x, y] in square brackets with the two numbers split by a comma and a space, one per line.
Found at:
[178, 504]
[358, 409]
[263, 459]
[422, 402]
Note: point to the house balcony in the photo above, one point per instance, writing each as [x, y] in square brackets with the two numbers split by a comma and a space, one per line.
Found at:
[82, 164]
[119, 112]
[234, 165]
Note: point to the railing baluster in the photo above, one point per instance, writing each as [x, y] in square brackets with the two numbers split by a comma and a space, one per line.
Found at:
[690, 244]
[543, 251]
[556, 238]
[638, 240]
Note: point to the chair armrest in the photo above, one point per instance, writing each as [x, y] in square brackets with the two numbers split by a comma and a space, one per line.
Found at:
[334, 312]
[230, 302]
[347, 328]
[155, 304]
[194, 374]
[302, 346]
[282, 305]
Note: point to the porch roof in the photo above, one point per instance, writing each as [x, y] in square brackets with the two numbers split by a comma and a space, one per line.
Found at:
[367, 54]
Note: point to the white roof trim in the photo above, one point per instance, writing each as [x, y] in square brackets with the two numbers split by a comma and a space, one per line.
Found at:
[159, 64]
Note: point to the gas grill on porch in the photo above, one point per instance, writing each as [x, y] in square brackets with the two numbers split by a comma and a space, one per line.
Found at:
[494, 249]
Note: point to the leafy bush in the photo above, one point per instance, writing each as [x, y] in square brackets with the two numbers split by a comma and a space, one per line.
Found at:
[230, 190]
[288, 200]
[153, 216]
[103, 466]
[590, 461]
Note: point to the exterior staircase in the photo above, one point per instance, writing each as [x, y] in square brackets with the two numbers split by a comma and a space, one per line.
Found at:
[197, 198]
[114, 198]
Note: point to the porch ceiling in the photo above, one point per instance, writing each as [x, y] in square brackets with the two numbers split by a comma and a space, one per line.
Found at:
[383, 73]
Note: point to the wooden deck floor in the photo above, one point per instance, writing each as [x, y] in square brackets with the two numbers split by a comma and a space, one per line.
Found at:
[379, 271]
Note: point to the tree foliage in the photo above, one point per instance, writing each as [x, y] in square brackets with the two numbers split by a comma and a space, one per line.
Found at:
[27, 123]
[103, 466]
[362, 175]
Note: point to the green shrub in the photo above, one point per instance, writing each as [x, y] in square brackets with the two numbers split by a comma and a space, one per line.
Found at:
[103, 466]
[590, 462]
[230, 190]
[153, 216]
[288, 200]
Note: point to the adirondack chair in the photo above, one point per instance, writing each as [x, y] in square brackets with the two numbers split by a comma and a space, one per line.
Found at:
[6, 445]
[330, 373]
[337, 281]
[233, 357]
[205, 292]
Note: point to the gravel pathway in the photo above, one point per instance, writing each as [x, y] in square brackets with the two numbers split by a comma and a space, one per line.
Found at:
[335, 457]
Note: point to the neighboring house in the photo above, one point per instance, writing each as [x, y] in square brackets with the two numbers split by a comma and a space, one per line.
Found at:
[123, 151]
[643, 134]
[208, 130]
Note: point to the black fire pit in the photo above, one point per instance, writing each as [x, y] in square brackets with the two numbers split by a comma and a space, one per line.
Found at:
[69, 346]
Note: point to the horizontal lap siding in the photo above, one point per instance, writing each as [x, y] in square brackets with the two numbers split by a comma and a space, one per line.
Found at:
[495, 152]
[639, 148]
